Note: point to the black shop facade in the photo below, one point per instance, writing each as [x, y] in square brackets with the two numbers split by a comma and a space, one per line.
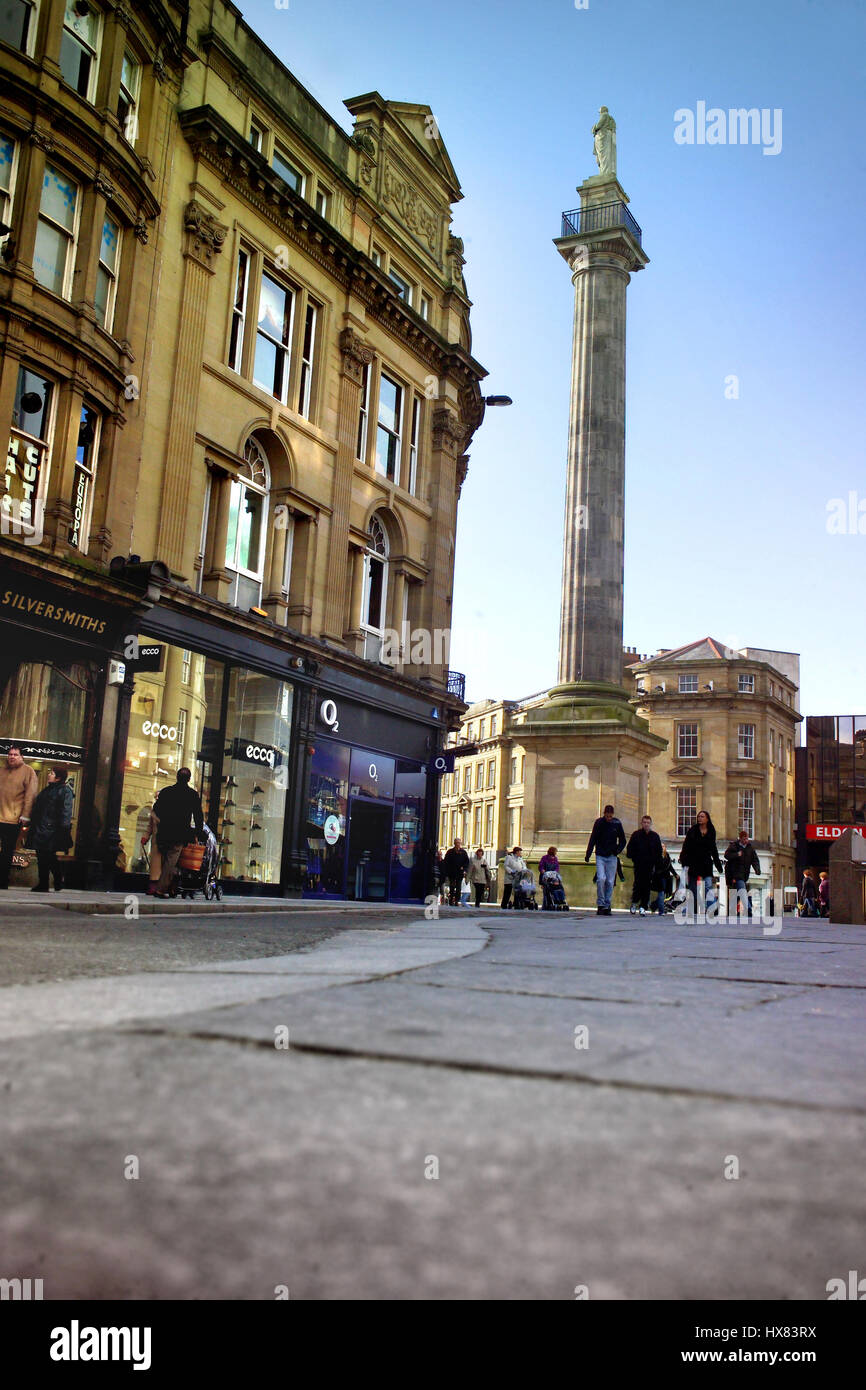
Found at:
[317, 780]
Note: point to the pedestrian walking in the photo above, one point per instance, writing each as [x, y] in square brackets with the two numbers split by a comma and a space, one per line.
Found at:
[478, 875]
[514, 868]
[699, 855]
[608, 841]
[808, 895]
[665, 882]
[18, 785]
[177, 809]
[824, 893]
[155, 870]
[740, 858]
[50, 830]
[454, 866]
[644, 849]
[437, 876]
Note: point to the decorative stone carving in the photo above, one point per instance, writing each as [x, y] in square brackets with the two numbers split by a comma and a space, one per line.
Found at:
[413, 212]
[160, 71]
[356, 355]
[205, 233]
[462, 470]
[103, 185]
[366, 172]
[139, 227]
[448, 434]
[364, 141]
[41, 140]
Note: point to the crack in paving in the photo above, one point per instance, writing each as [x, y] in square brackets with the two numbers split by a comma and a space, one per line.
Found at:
[500, 1069]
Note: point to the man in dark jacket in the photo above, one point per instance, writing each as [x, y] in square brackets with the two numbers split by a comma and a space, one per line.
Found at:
[176, 808]
[454, 866]
[608, 841]
[645, 852]
[740, 858]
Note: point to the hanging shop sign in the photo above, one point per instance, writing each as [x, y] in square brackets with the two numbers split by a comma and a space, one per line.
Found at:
[265, 754]
[48, 751]
[831, 832]
[53, 609]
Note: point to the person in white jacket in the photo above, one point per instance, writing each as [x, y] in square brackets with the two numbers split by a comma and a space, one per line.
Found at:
[514, 866]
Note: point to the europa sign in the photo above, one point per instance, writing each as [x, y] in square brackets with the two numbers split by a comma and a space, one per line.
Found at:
[831, 832]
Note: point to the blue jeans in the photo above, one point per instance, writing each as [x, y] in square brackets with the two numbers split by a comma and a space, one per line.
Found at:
[709, 895]
[605, 870]
[660, 900]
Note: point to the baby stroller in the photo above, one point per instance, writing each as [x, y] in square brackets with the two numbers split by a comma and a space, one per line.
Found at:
[523, 892]
[554, 892]
[197, 869]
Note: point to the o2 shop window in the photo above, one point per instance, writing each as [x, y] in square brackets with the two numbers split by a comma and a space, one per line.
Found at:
[371, 774]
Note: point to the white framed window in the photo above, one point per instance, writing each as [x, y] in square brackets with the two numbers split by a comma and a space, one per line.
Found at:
[363, 416]
[515, 827]
[745, 741]
[79, 47]
[413, 444]
[375, 590]
[746, 812]
[770, 747]
[522, 766]
[476, 838]
[127, 97]
[323, 200]
[491, 774]
[283, 165]
[687, 740]
[8, 175]
[185, 666]
[86, 453]
[488, 823]
[405, 288]
[746, 685]
[513, 770]
[425, 307]
[28, 456]
[688, 685]
[479, 776]
[687, 808]
[182, 720]
[245, 538]
[257, 136]
[389, 428]
[239, 311]
[106, 274]
[18, 24]
[377, 256]
[56, 232]
[482, 729]
[273, 338]
[307, 351]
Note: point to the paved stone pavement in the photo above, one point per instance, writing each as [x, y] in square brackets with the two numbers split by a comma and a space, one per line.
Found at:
[444, 1047]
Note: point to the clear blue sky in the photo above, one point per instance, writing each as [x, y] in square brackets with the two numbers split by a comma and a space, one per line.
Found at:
[757, 269]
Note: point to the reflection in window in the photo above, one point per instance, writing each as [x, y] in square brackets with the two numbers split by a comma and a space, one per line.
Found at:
[79, 47]
[273, 338]
[106, 274]
[55, 232]
[245, 539]
[17, 24]
[85, 472]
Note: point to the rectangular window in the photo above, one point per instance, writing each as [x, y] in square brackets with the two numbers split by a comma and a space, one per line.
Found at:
[413, 445]
[182, 718]
[373, 611]
[491, 774]
[377, 256]
[323, 199]
[687, 740]
[687, 808]
[479, 776]
[363, 414]
[746, 741]
[688, 685]
[106, 274]
[185, 665]
[8, 170]
[85, 471]
[403, 287]
[425, 307]
[522, 766]
[28, 453]
[309, 347]
[467, 773]
[257, 137]
[273, 338]
[746, 685]
[287, 170]
[488, 823]
[18, 24]
[513, 771]
[494, 725]
[746, 812]
[770, 748]
[127, 100]
[453, 825]
[79, 47]
[388, 432]
[477, 826]
[56, 232]
[772, 825]
[239, 312]
[482, 730]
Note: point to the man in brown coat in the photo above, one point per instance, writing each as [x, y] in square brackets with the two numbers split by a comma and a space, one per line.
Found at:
[17, 789]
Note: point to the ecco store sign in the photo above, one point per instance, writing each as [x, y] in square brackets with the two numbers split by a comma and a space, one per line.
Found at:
[156, 730]
[261, 753]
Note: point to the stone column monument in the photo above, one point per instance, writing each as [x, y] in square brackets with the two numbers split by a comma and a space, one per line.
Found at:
[585, 745]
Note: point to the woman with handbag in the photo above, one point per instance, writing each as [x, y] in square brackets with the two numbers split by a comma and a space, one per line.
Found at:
[50, 827]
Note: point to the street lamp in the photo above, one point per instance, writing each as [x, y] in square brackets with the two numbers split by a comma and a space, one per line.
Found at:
[498, 400]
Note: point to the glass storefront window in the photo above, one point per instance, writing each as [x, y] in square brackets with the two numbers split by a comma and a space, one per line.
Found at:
[169, 725]
[407, 859]
[253, 793]
[371, 774]
[325, 830]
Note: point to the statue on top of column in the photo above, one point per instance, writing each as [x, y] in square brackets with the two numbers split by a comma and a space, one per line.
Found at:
[604, 132]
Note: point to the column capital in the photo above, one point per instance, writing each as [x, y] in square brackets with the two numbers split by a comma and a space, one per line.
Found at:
[356, 355]
[448, 434]
[205, 236]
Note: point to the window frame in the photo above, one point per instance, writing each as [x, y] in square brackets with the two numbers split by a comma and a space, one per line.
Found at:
[362, 441]
[745, 683]
[245, 482]
[373, 556]
[682, 811]
[237, 339]
[323, 195]
[746, 811]
[746, 740]
[111, 275]
[129, 126]
[395, 435]
[685, 686]
[95, 52]
[414, 444]
[7, 195]
[405, 288]
[32, 8]
[280, 152]
[44, 444]
[285, 346]
[307, 362]
[87, 471]
[688, 724]
[71, 237]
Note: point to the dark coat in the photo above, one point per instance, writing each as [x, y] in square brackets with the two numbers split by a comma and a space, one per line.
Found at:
[455, 863]
[645, 850]
[51, 818]
[608, 837]
[739, 862]
[175, 808]
[699, 852]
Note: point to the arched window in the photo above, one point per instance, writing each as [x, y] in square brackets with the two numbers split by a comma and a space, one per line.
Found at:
[245, 540]
[373, 605]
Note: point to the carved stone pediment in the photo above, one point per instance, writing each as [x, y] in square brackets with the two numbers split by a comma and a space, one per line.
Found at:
[410, 208]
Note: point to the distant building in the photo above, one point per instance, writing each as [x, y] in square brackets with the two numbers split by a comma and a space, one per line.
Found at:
[831, 784]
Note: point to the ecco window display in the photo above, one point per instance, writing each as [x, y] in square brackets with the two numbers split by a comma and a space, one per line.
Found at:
[252, 798]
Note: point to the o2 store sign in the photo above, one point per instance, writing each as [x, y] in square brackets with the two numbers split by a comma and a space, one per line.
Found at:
[263, 754]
